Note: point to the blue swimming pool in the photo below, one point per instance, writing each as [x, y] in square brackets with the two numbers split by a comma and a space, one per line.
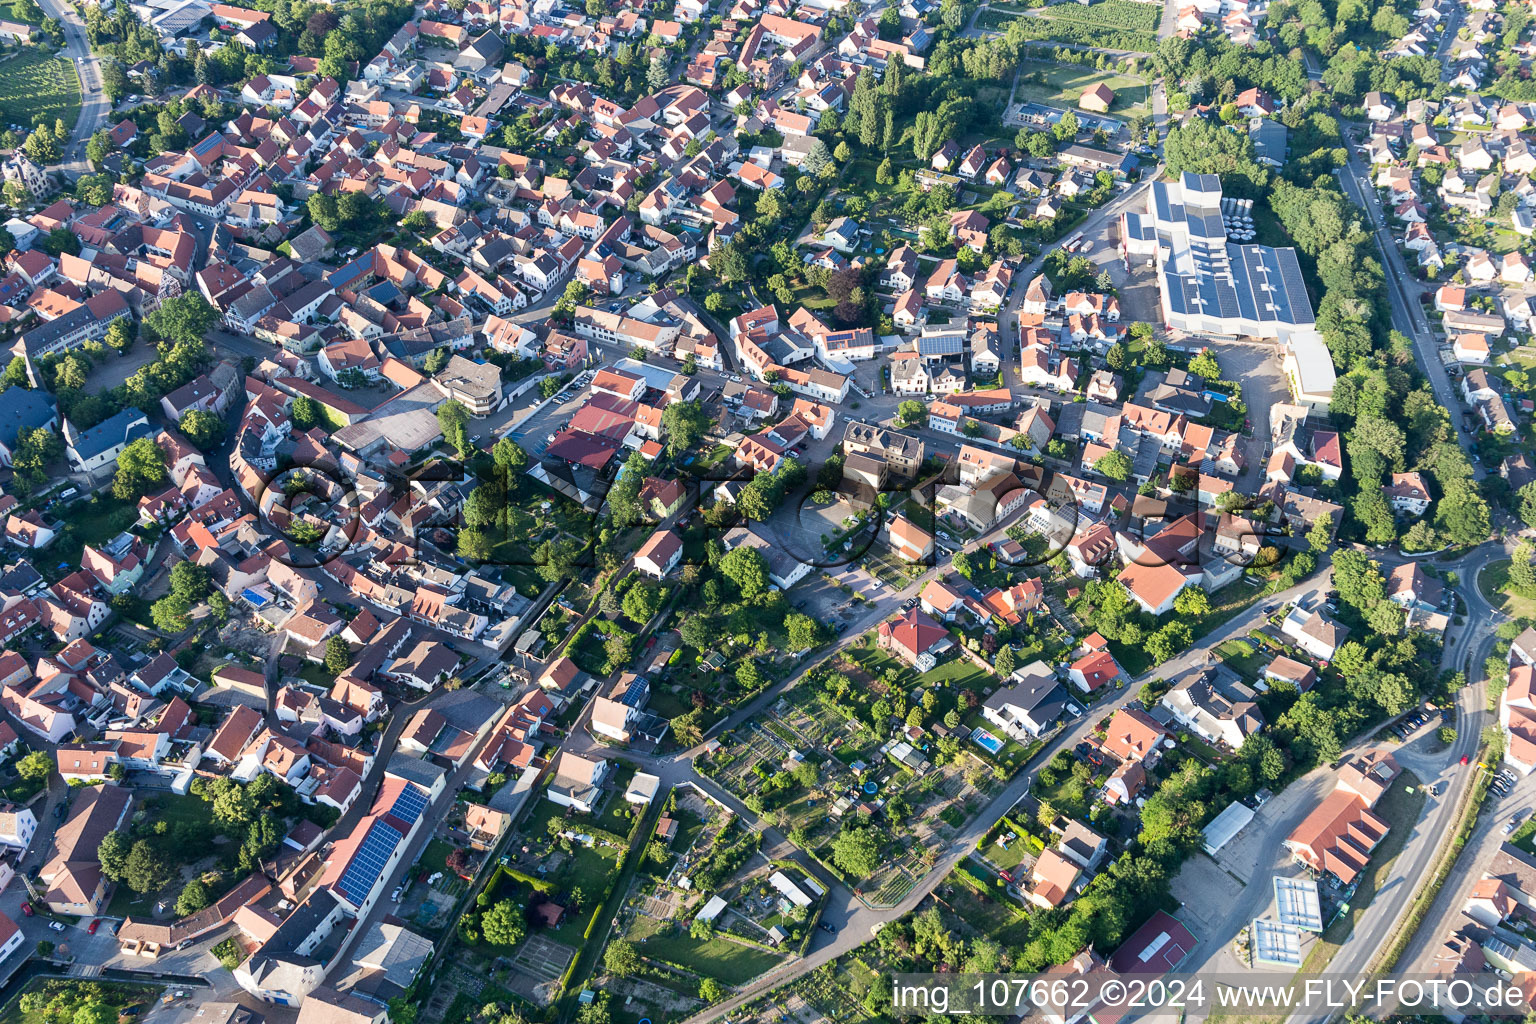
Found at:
[986, 741]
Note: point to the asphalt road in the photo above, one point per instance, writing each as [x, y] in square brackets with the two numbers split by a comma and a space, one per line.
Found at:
[1487, 836]
[1404, 291]
[94, 105]
[1377, 926]
[846, 911]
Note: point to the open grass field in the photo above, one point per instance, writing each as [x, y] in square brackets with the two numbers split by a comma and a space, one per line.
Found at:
[1493, 584]
[1065, 83]
[729, 962]
[36, 84]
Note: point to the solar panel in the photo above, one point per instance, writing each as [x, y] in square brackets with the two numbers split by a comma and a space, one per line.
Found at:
[409, 804]
[369, 860]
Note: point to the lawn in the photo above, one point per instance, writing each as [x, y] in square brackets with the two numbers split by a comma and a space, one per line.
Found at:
[36, 84]
[1065, 83]
[728, 962]
[1242, 657]
[1525, 837]
[1493, 584]
[588, 868]
[435, 857]
[23, 790]
[992, 915]
[959, 672]
[91, 522]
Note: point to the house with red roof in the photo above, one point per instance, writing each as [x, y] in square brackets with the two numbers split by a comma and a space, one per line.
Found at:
[915, 638]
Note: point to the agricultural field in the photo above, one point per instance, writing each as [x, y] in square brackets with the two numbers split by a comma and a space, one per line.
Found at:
[33, 84]
[1125, 15]
[1107, 25]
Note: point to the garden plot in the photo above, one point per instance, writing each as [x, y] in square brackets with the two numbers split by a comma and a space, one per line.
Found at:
[637, 999]
[818, 725]
[837, 990]
[663, 904]
[437, 907]
[543, 959]
[755, 747]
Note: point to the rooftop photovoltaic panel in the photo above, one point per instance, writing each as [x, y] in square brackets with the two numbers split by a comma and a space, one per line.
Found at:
[941, 345]
[409, 804]
[1209, 283]
[369, 860]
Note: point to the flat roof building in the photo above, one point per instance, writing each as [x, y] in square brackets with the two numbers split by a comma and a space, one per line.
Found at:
[1208, 284]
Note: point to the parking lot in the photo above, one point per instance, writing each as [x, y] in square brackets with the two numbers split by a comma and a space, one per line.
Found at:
[533, 432]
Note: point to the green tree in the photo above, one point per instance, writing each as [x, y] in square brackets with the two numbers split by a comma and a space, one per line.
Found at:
[140, 466]
[1319, 534]
[1115, 465]
[746, 568]
[1004, 662]
[184, 319]
[203, 429]
[802, 632]
[856, 851]
[711, 991]
[194, 897]
[503, 924]
[35, 767]
[120, 334]
[323, 211]
[42, 147]
[624, 496]
[657, 76]
[144, 871]
[99, 147]
[621, 958]
[189, 582]
[337, 655]
[911, 413]
[1462, 514]
[642, 601]
[684, 423]
[1192, 601]
[509, 458]
[305, 412]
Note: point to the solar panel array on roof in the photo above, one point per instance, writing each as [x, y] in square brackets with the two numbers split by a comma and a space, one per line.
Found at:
[369, 860]
[409, 804]
[635, 693]
[941, 345]
[1210, 284]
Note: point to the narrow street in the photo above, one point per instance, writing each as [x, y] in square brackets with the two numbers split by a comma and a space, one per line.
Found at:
[1404, 291]
[94, 105]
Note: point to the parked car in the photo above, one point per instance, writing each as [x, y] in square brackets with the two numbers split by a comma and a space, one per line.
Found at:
[1465, 759]
[91, 928]
[824, 926]
[56, 926]
[26, 908]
